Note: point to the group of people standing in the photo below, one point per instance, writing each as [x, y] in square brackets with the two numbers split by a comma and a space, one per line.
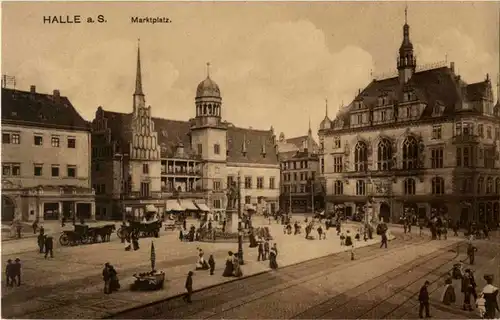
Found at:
[45, 243]
[110, 278]
[13, 272]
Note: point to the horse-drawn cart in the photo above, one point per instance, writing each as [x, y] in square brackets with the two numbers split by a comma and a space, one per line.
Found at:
[84, 234]
[142, 229]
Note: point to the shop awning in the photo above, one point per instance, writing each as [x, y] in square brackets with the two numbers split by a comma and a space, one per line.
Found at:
[203, 207]
[173, 205]
[151, 208]
[189, 205]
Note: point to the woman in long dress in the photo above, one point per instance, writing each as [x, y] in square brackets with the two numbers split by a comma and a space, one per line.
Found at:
[253, 241]
[490, 294]
[228, 270]
[273, 254]
[237, 268]
[448, 297]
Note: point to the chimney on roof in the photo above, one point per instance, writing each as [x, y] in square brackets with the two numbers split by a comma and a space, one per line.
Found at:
[32, 89]
[57, 95]
[452, 66]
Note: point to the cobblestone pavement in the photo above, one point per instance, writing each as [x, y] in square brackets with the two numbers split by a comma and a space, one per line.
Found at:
[70, 284]
[376, 286]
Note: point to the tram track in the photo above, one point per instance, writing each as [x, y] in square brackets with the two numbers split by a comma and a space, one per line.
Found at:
[332, 308]
[257, 286]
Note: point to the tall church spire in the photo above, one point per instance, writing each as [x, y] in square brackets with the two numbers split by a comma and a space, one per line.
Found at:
[406, 60]
[309, 132]
[138, 75]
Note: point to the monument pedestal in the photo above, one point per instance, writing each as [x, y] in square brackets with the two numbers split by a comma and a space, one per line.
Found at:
[232, 220]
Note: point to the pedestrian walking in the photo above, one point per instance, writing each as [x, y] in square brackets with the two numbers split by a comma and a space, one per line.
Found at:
[467, 290]
[106, 277]
[266, 250]
[224, 225]
[490, 294]
[260, 249]
[273, 254]
[448, 297]
[384, 239]
[41, 242]
[211, 263]
[189, 287]
[320, 232]
[471, 250]
[423, 299]
[16, 271]
[481, 306]
[9, 273]
[35, 225]
[49, 245]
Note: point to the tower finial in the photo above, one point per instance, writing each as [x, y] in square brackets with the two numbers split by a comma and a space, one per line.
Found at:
[138, 75]
[309, 132]
[326, 107]
[406, 13]
[208, 69]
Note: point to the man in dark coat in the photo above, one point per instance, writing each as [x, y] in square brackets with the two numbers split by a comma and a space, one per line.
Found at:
[49, 246]
[261, 251]
[224, 225]
[467, 290]
[9, 273]
[471, 250]
[423, 299]
[266, 250]
[16, 271]
[41, 242]
[189, 287]
[384, 239]
[106, 277]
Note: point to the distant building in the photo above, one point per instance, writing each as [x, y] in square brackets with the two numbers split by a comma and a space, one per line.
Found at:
[423, 143]
[141, 163]
[45, 158]
[300, 183]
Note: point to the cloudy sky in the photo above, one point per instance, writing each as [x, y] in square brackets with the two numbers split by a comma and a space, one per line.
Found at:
[275, 63]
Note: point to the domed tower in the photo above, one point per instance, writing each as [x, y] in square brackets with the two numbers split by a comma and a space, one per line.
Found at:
[208, 137]
[208, 102]
[406, 60]
[326, 123]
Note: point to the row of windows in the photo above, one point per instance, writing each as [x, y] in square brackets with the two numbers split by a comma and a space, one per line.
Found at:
[14, 169]
[301, 188]
[299, 176]
[260, 182]
[55, 141]
[437, 186]
[467, 128]
[293, 165]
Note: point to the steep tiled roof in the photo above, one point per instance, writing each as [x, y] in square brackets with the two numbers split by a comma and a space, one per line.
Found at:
[439, 85]
[284, 147]
[256, 141]
[299, 141]
[173, 132]
[38, 109]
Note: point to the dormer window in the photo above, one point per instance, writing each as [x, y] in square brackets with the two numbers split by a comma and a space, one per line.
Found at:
[438, 109]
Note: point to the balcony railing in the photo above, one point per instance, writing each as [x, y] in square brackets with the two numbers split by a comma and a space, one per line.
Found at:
[182, 172]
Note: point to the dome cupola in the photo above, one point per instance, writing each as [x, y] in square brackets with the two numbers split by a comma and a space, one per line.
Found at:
[208, 99]
[208, 88]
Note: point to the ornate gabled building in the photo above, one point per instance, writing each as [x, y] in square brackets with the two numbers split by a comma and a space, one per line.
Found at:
[423, 142]
[301, 190]
[140, 162]
[45, 158]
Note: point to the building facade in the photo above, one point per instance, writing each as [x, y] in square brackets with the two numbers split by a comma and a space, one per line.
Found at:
[423, 142]
[301, 188]
[140, 161]
[45, 158]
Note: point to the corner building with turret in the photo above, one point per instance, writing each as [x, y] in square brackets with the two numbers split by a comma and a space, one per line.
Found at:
[141, 163]
[422, 143]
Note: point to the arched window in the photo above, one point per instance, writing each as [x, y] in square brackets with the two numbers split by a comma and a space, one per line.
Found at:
[489, 185]
[497, 186]
[360, 157]
[480, 185]
[409, 186]
[384, 155]
[360, 188]
[410, 153]
[338, 187]
[437, 185]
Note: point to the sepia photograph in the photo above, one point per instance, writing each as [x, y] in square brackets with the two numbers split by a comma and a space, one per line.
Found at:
[250, 160]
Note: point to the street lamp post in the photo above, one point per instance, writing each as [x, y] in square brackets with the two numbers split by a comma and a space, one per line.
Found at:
[240, 226]
[122, 182]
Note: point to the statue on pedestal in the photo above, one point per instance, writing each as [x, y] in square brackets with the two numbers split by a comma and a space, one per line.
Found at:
[232, 197]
